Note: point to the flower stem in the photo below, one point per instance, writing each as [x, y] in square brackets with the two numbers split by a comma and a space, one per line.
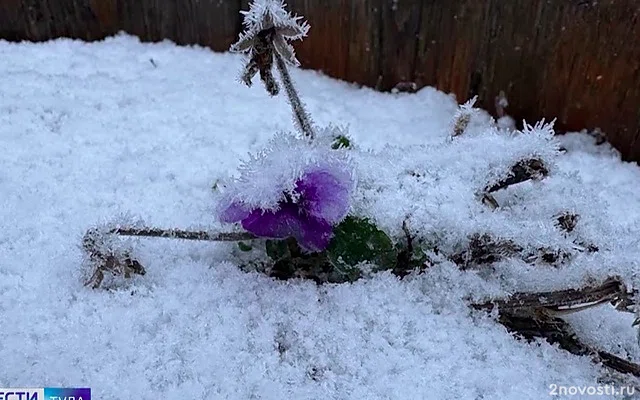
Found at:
[301, 116]
[182, 234]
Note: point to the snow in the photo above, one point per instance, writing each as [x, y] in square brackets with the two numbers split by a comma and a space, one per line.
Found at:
[91, 132]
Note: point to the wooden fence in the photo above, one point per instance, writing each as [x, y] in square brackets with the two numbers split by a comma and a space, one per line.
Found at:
[577, 60]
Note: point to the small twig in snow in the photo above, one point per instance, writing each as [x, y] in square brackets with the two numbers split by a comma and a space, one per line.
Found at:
[483, 249]
[533, 315]
[522, 171]
[599, 136]
[563, 301]
[405, 87]
[557, 331]
[490, 201]
[182, 234]
[501, 103]
[462, 117]
[105, 258]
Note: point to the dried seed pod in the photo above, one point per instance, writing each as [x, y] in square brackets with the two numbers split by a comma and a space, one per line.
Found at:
[105, 258]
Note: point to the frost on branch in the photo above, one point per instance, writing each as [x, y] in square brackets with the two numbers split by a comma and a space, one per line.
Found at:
[462, 117]
[522, 171]
[268, 29]
[265, 15]
[105, 254]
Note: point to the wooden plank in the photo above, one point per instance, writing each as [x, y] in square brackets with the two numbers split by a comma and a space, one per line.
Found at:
[573, 60]
[37, 20]
[365, 43]
[445, 46]
[401, 20]
[151, 20]
[212, 23]
[596, 62]
[327, 46]
[107, 18]
[13, 20]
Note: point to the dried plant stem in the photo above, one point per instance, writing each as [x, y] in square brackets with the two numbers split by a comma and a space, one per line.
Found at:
[557, 331]
[562, 301]
[301, 116]
[105, 259]
[182, 234]
[108, 260]
[522, 171]
[533, 315]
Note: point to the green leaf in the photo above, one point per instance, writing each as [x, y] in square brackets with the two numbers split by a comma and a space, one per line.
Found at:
[358, 240]
[340, 142]
[244, 247]
[278, 249]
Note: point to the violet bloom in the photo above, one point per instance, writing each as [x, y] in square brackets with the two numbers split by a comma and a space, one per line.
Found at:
[319, 200]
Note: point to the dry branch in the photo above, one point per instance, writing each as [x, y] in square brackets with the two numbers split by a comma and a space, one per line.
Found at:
[107, 258]
[183, 234]
[562, 301]
[522, 171]
[460, 124]
[557, 331]
[301, 117]
[532, 315]
[484, 249]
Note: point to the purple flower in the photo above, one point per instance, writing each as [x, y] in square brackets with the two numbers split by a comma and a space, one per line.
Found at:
[319, 199]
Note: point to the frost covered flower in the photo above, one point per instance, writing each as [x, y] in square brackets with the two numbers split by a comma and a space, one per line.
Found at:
[295, 190]
[268, 28]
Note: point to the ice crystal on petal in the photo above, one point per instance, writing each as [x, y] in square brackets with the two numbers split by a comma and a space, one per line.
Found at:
[294, 188]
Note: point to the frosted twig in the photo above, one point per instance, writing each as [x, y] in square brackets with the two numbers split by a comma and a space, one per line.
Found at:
[522, 171]
[269, 28]
[106, 256]
[483, 249]
[557, 331]
[501, 102]
[182, 234]
[537, 315]
[562, 302]
[301, 116]
[462, 117]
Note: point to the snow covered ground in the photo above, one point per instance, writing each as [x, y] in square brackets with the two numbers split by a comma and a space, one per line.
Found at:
[91, 131]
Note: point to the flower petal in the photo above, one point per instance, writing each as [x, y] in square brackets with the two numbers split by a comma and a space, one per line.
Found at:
[234, 212]
[326, 196]
[316, 234]
[280, 224]
[311, 233]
